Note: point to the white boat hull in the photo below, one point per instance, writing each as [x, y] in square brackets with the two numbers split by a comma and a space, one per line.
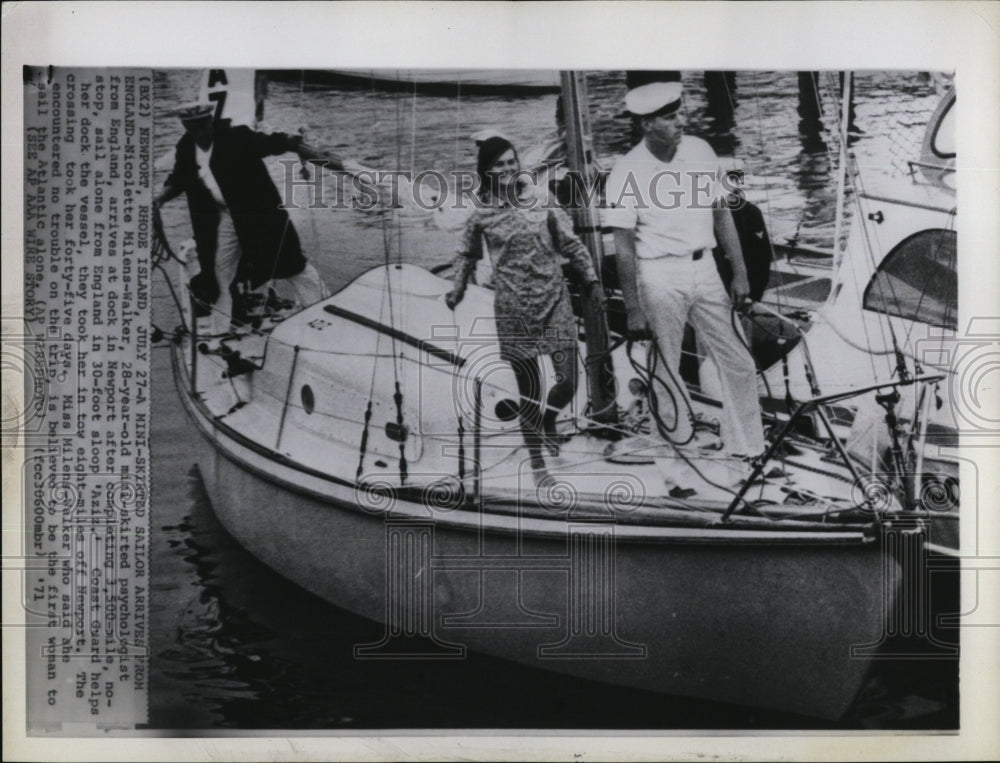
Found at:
[751, 618]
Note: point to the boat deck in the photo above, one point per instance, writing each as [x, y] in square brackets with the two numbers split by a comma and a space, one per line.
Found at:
[308, 411]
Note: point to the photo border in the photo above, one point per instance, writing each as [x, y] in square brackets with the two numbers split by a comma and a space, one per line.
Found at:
[952, 36]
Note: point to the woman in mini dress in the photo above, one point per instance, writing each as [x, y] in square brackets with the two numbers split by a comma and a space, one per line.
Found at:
[527, 241]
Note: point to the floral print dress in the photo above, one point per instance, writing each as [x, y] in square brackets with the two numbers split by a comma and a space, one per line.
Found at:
[531, 301]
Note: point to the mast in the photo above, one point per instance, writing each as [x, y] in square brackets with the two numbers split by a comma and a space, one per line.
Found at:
[845, 116]
[600, 374]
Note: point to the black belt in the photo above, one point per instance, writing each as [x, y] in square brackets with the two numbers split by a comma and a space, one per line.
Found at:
[696, 255]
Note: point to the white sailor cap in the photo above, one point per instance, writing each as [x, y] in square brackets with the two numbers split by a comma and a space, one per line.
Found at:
[732, 167]
[654, 97]
[195, 112]
[485, 134]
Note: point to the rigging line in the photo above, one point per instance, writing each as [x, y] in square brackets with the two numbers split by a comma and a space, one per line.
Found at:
[780, 297]
[843, 166]
[413, 130]
[388, 239]
[617, 428]
[938, 247]
[884, 321]
[746, 345]
[173, 294]
[949, 316]
[386, 244]
[161, 250]
[730, 97]
[815, 89]
[833, 92]
[277, 255]
[236, 393]
[689, 462]
[648, 375]
[868, 350]
[458, 123]
[678, 502]
[387, 247]
[398, 394]
[304, 170]
[160, 243]
[868, 251]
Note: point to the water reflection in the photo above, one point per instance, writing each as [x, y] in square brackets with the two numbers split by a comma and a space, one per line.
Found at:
[813, 174]
[720, 89]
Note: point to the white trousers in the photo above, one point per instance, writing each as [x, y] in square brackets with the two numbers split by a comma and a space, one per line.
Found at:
[678, 290]
[308, 285]
[227, 260]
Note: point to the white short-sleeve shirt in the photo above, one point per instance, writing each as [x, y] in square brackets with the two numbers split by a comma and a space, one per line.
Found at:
[668, 204]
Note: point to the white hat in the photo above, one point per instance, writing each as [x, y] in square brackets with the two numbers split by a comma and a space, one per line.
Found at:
[648, 99]
[732, 165]
[195, 112]
[490, 132]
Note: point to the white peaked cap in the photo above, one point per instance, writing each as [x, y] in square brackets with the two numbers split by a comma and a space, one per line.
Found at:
[647, 99]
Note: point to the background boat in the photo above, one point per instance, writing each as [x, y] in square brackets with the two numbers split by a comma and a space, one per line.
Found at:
[447, 82]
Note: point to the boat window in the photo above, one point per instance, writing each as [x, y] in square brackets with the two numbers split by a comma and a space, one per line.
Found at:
[308, 399]
[918, 280]
[943, 142]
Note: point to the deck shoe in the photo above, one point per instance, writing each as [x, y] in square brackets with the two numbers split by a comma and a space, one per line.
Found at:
[636, 418]
[551, 439]
[554, 441]
[706, 442]
[544, 481]
[276, 304]
[682, 492]
[749, 463]
[217, 345]
[236, 365]
[785, 448]
[701, 423]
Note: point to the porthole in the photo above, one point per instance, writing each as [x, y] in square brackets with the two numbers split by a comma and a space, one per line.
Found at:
[308, 399]
[506, 410]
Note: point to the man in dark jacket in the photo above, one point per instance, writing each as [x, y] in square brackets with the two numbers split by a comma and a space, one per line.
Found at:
[240, 230]
[752, 233]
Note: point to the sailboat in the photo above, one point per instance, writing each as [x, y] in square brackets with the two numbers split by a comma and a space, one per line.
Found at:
[367, 448]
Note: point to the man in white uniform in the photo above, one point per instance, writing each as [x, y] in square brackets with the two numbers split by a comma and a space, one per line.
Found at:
[664, 206]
